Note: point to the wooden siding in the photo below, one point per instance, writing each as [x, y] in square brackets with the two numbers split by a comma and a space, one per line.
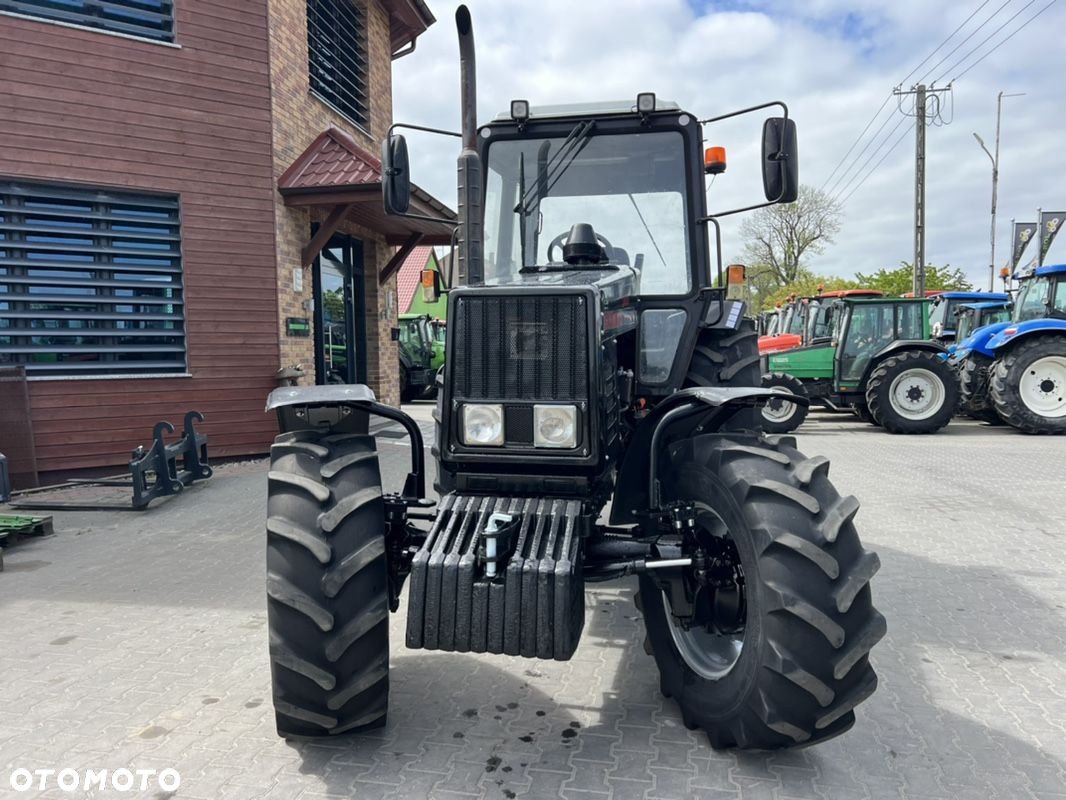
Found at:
[78, 106]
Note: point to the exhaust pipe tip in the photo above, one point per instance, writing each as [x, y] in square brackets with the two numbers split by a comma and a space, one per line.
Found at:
[462, 20]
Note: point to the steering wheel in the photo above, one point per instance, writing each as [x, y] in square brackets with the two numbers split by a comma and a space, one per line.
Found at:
[558, 242]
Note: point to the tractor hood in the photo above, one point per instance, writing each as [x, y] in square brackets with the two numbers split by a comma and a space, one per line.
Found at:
[613, 283]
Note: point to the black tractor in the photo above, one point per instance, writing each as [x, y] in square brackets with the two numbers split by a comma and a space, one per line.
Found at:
[598, 418]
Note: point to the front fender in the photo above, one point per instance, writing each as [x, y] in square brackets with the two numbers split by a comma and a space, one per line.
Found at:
[347, 408]
[1013, 331]
[978, 340]
[706, 407]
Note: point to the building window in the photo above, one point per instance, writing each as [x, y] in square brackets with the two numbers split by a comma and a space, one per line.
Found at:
[90, 281]
[337, 61]
[152, 19]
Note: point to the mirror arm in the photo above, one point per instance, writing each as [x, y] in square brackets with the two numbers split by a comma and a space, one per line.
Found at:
[779, 157]
[409, 126]
[759, 107]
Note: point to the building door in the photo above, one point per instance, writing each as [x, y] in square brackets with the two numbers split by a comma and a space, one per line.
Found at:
[340, 312]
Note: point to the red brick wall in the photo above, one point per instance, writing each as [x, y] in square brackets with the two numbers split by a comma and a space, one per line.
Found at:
[194, 120]
[299, 117]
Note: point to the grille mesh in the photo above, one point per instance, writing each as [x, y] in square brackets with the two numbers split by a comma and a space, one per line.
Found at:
[521, 348]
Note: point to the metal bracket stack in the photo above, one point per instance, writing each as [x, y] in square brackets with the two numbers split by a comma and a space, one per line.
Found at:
[158, 471]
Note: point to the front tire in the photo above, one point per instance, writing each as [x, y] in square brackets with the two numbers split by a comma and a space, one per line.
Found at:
[728, 358]
[1028, 386]
[327, 585]
[915, 391]
[803, 663]
[783, 416]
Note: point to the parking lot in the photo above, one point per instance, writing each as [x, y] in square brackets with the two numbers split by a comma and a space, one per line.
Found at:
[138, 641]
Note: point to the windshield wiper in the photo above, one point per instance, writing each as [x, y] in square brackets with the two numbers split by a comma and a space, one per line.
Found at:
[549, 174]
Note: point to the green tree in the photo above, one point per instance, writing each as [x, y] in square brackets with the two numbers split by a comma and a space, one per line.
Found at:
[898, 281]
[777, 238]
[806, 284]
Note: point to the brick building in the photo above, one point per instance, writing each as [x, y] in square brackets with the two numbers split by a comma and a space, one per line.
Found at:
[189, 200]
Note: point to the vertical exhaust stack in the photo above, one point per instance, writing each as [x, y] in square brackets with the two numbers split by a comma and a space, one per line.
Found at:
[471, 219]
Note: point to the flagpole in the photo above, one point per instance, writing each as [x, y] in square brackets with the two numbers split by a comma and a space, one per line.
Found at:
[1040, 237]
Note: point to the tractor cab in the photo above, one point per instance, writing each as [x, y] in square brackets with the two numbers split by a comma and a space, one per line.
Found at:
[417, 352]
[971, 316]
[943, 311]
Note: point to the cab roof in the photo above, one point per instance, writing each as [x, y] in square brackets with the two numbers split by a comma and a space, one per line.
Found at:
[987, 304]
[596, 109]
[1050, 269]
[974, 296]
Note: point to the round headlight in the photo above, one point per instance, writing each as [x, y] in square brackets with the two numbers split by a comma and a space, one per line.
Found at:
[555, 426]
[482, 424]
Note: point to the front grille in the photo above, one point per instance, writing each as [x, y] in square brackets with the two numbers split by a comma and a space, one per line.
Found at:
[520, 348]
[518, 424]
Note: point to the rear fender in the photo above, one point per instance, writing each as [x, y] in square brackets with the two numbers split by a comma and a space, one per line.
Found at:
[1011, 332]
[705, 408]
[900, 346]
[347, 408]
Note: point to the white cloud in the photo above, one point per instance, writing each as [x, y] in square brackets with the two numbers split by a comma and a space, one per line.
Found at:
[832, 61]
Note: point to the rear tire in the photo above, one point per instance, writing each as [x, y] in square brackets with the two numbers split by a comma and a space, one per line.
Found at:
[803, 664]
[915, 391]
[1028, 386]
[783, 416]
[974, 400]
[327, 585]
[728, 358]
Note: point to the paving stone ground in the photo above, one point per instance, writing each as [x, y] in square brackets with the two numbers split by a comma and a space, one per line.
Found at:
[139, 641]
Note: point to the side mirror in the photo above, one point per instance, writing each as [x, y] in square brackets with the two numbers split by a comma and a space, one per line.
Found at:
[395, 175]
[780, 160]
[430, 286]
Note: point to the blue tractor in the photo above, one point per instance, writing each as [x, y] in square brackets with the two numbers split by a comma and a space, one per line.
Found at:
[971, 316]
[945, 307]
[1015, 371]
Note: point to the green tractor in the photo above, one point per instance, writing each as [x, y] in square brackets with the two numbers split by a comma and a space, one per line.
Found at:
[421, 356]
[597, 418]
[878, 360]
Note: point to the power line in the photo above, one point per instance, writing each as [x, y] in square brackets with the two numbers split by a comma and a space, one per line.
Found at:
[881, 160]
[948, 39]
[964, 41]
[877, 113]
[844, 175]
[1000, 44]
[845, 187]
[858, 139]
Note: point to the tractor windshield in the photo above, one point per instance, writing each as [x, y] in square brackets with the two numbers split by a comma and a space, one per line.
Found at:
[631, 187]
[1032, 299]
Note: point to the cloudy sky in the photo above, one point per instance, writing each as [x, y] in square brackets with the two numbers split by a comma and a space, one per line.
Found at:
[833, 62]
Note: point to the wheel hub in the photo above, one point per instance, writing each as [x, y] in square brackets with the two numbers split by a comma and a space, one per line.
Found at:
[1043, 387]
[917, 394]
[712, 637]
[779, 410]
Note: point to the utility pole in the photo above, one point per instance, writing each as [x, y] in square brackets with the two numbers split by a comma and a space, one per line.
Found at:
[919, 191]
[995, 184]
[921, 93]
